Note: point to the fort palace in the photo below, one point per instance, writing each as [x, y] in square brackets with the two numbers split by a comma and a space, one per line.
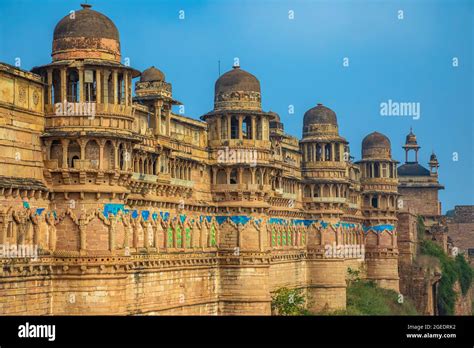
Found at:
[135, 209]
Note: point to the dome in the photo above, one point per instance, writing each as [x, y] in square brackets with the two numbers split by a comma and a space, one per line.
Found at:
[152, 74]
[376, 145]
[86, 34]
[274, 117]
[237, 80]
[319, 120]
[411, 138]
[237, 89]
[320, 114]
[412, 169]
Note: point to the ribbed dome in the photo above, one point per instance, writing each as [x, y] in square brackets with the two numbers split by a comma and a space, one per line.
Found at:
[86, 34]
[237, 80]
[376, 145]
[152, 74]
[320, 114]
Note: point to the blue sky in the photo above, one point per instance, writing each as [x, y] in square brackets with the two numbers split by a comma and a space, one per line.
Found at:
[299, 62]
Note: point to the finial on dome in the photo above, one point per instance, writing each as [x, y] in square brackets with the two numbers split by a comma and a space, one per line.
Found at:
[86, 6]
[236, 66]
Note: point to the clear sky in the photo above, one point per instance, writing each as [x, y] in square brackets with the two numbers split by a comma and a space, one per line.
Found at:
[299, 62]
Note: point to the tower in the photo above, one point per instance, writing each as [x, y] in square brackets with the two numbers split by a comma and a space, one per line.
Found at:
[325, 199]
[411, 145]
[419, 186]
[88, 135]
[379, 206]
[243, 180]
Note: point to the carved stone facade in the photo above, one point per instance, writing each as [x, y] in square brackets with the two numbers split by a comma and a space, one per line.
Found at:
[138, 210]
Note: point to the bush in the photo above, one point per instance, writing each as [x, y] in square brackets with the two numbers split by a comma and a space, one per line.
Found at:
[288, 302]
[465, 273]
[452, 270]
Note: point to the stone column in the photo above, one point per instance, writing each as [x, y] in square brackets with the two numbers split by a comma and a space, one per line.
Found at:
[114, 85]
[214, 175]
[80, 71]
[101, 154]
[240, 127]
[158, 105]
[64, 145]
[219, 128]
[125, 79]
[116, 155]
[229, 126]
[168, 122]
[63, 84]
[98, 86]
[254, 124]
[50, 87]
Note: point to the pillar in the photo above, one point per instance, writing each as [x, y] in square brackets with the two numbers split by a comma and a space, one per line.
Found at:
[219, 128]
[114, 86]
[65, 144]
[50, 87]
[158, 105]
[98, 86]
[240, 127]
[80, 71]
[63, 84]
[254, 128]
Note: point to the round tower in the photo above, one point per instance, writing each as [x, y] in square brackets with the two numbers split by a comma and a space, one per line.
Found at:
[324, 164]
[239, 143]
[88, 136]
[379, 206]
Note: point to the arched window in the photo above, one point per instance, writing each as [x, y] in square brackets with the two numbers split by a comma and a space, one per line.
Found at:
[233, 177]
[221, 177]
[72, 86]
[74, 153]
[234, 127]
[56, 152]
[247, 128]
[92, 153]
[376, 170]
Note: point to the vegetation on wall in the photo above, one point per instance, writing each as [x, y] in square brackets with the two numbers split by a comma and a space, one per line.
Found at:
[452, 270]
[288, 302]
[364, 297]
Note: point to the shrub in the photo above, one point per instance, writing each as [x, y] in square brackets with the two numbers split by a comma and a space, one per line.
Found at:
[288, 302]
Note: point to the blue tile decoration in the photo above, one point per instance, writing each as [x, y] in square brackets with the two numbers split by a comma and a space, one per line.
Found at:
[39, 211]
[164, 215]
[182, 218]
[26, 205]
[221, 219]
[112, 208]
[135, 214]
[379, 228]
[145, 215]
[154, 216]
[240, 219]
